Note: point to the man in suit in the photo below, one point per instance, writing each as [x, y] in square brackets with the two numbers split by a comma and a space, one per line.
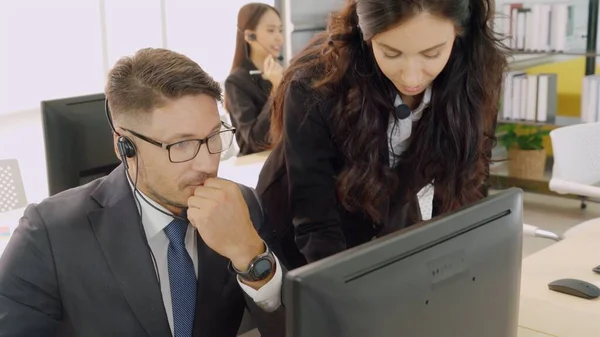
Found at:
[160, 246]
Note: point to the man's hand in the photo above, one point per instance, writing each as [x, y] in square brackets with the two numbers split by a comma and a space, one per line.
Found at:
[220, 214]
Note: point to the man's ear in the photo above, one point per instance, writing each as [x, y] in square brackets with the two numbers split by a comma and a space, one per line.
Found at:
[115, 148]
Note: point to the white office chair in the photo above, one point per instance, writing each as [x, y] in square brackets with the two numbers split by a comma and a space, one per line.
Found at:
[576, 161]
[12, 193]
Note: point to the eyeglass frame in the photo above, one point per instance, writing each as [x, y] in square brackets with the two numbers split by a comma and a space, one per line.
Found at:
[202, 141]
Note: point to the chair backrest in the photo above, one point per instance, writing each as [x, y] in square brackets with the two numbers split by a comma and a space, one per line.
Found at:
[12, 193]
[576, 151]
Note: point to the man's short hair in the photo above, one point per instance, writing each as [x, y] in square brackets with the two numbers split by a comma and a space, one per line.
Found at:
[140, 83]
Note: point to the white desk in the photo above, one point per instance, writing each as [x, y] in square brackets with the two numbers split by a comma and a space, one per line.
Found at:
[244, 170]
[554, 313]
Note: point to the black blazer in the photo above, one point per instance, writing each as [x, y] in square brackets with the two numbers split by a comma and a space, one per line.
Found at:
[247, 100]
[297, 186]
[79, 265]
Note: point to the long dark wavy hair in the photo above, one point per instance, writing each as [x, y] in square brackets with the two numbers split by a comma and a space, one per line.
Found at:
[452, 143]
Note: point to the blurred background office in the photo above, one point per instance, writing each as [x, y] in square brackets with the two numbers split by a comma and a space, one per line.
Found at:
[55, 49]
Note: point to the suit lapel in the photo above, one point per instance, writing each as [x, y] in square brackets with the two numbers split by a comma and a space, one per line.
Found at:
[213, 274]
[121, 236]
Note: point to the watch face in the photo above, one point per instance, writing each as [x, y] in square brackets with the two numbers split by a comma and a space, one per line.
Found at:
[262, 269]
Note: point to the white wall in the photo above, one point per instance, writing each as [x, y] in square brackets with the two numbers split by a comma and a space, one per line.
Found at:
[53, 49]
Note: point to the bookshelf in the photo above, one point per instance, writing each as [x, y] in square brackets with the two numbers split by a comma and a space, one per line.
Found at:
[522, 60]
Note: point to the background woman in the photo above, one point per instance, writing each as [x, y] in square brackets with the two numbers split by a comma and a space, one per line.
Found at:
[394, 96]
[255, 73]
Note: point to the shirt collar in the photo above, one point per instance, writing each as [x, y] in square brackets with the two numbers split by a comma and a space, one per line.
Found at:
[153, 220]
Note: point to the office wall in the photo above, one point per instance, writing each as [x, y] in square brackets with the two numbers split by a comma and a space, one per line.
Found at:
[64, 48]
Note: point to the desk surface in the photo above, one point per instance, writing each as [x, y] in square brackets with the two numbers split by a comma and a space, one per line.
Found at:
[244, 170]
[554, 313]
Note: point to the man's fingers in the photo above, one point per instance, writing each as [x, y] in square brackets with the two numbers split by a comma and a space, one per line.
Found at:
[226, 186]
[217, 183]
[201, 202]
[197, 216]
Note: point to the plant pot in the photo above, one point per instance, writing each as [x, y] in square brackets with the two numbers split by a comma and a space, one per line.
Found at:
[526, 164]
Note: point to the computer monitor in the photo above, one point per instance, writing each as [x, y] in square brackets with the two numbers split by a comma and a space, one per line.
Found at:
[456, 276]
[78, 141]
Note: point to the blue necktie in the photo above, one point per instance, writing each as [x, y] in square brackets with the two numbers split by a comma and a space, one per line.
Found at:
[182, 278]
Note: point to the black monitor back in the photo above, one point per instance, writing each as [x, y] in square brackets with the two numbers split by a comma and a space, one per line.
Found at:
[456, 276]
[78, 141]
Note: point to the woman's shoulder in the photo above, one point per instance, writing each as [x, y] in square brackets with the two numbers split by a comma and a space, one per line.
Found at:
[238, 76]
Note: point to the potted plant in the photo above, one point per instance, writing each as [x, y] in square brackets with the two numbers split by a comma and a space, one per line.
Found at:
[526, 152]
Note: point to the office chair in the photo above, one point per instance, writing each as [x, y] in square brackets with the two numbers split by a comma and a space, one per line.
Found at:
[576, 168]
[12, 193]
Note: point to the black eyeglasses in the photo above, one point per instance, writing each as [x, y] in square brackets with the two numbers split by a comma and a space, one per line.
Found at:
[187, 150]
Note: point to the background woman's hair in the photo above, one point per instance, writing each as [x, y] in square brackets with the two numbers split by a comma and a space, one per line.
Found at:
[453, 140]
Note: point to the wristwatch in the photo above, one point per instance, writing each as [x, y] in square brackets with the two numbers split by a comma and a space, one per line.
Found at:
[259, 268]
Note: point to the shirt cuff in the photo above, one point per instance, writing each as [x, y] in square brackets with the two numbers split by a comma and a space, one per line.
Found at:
[268, 297]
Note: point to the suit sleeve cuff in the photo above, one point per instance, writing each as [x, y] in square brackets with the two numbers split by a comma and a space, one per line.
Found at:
[268, 297]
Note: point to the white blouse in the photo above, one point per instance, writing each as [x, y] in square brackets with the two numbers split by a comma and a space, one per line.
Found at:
[399, 131]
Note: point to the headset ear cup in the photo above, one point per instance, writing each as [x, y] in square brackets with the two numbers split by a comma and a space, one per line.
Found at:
[126, 147]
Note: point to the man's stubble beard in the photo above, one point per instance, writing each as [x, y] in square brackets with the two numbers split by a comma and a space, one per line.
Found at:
[161, 197]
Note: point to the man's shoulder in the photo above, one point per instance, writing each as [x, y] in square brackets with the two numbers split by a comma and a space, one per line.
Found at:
[67, 206]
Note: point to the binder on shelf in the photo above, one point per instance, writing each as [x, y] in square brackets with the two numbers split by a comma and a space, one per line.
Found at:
[590, 95]
[517, 96]
[529, 97]
[542, 27]
[508, 93]
[547, 98]
[531, 109]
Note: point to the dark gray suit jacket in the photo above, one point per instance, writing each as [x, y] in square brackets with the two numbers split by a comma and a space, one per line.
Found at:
[78, 265]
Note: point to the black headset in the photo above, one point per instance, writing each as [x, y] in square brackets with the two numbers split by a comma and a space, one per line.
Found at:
[125, 146]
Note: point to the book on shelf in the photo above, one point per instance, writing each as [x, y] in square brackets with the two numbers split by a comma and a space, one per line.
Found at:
[540, 27]
[590, 99]
[529, 97]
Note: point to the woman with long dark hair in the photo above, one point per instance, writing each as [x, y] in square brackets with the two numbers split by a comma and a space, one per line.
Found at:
[255, 74]
[394, 96]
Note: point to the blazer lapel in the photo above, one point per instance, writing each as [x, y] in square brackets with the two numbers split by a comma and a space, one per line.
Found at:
[213, 273]
[121, 237]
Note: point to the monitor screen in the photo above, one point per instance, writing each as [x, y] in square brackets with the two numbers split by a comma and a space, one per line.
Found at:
[454, 276]
[78, 141]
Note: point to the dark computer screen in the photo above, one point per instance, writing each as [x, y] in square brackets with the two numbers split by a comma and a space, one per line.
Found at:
[78, 141]
[456, 276]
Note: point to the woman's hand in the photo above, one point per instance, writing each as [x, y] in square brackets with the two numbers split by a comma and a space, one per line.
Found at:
[273, 71]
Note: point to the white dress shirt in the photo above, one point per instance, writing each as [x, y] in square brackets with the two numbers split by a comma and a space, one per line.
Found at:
[399, 132]
[267, 297]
